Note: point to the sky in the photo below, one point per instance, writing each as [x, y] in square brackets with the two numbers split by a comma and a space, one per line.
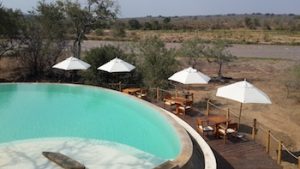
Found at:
[139, 8]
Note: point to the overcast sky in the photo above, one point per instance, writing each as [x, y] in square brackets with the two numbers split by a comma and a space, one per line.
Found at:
[136, 8]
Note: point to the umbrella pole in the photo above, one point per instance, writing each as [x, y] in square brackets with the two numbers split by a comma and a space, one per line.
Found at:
[240, 114]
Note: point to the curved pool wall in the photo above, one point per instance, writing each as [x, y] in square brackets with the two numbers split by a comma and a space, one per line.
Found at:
[92, 112]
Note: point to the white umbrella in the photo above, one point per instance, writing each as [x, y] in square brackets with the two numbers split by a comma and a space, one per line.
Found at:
[243, 92]
[117, 65]
[72, 63]
[190, 76]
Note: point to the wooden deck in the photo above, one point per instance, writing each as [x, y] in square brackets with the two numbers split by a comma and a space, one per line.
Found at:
[236, 153]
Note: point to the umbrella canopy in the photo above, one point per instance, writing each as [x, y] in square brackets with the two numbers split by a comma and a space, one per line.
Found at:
[117, 65]
[190, 76]
[72, 63]
[243, 92]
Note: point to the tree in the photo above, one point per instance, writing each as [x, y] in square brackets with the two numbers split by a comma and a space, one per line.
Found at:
[83, 18]
[147, 26]
[44, 38]
[11, 24]
[249, 23]
[167, 20]
[166, 23]
[157, 62]
[256, 22]
[119, 29]
[134, 24]
[155, 25]
[194, 50]
[217, 53]
[266, 25]
[99, 56]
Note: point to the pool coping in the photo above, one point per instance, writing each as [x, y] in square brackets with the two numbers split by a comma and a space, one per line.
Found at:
[186, 147]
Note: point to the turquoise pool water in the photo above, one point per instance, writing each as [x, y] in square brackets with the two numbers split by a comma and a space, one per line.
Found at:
[29, 111]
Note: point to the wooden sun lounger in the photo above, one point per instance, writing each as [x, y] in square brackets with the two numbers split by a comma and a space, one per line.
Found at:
[63, 160]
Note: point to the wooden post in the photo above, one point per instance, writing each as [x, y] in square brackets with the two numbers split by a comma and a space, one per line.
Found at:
[157, 94]
[268, 141]
[299, 162]
[207, 108]
[254, 129]
[279, 152]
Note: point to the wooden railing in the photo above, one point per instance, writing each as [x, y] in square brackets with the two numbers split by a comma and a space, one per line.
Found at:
[259, 133]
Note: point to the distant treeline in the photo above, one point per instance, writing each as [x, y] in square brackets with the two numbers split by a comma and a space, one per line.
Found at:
[289, 22]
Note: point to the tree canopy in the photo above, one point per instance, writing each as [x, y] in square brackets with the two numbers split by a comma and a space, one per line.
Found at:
[83, 18]
[44, 38]
[157, 62]
[218, 53]
[193, 49]
[11, 24]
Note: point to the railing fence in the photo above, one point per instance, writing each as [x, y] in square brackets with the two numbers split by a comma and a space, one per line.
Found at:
[256, 131]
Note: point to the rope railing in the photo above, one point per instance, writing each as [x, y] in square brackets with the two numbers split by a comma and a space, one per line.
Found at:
[215, 106]
[276, 139]
[268, 134]
[221, 109]
[281, 146]
[288, 151]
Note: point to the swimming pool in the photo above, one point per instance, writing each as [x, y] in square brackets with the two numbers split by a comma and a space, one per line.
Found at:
[29, 111]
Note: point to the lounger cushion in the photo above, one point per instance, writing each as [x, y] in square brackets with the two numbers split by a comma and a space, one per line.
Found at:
[169, 103]
[206, 128]
[229, 131]
[185, 108]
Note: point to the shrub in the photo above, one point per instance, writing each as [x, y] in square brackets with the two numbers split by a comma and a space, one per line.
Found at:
[157, 62]
[99, 32]
[119, 29]
[99, 56]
